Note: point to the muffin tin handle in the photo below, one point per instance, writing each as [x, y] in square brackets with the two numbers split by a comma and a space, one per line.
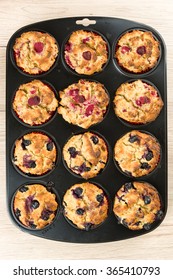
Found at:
[85, 22]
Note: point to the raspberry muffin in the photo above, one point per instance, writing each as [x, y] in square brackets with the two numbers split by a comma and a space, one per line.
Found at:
[35, 52]
[34, 206]
[86, 154]
[84, 103]
[85, 205]
[35, 153]
[137, 205]
[137, 102]
[35, 103]
[137, 153]
[137, 51]
[86, 52]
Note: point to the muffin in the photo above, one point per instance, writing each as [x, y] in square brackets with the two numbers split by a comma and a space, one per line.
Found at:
[35, 103]
[137, 51]
[137, 102]
[85, 154]
[137, 153]
[137, 205]
[34, 206]
[84, 103]
[85, 205]
[86, 52]
[35, 153]
[35, 52]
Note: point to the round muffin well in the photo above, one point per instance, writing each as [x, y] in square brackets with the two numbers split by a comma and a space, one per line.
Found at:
[35, 154]
[137, 205]
[137, 153]
[85, 154]
[35, 102]
[137, 51]
[85, 205]
[34, 206]
[35, 52]
[137, 102]
[86, 52]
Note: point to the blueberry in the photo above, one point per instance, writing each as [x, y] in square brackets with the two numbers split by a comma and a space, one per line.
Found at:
[73, 152]
[84, 168]
[147, 199]
[25, 143]
[77, 192]
[100, 198]
[147, 226]
[17, 213]
[149, 155]
[31, 164]
[23, 189]
[88, 226]
[80, 211]
[145, 165]
[94, 139]
[128, 186]
[49, 146]
[159, 215]
[133, 138]
[137, 223]
[35, 204]
[45, 214]
[32, 225]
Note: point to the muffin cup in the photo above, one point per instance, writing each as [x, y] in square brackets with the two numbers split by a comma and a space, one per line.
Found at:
[108, 158]
[107, 108]
[140, 124]
[52, 115]
[70, 69]
[90, 227]
[127, 174]
[30, 175]
[124, 70]
[20, 69]
[48, 188]
[159, 217]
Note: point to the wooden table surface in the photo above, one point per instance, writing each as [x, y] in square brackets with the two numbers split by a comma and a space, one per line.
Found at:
[15, 244]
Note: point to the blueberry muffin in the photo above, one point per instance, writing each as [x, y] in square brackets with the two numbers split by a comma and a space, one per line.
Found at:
[137, 205]
[34, 206]
[137, 102]
[137, 51]
[35, 52]
[35, 103]
[85, 205]
[35, 153]
[86, 52]
[85, 154]
[84, 103]
[137, 153]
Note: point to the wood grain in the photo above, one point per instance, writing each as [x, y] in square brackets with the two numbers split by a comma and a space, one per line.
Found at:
[15, 244]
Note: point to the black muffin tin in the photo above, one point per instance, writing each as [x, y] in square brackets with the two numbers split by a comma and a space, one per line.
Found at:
[60, 76]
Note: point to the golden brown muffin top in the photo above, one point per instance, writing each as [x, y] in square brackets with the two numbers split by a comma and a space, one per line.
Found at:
[86, 205]
[137, 153]
[84, 103]
[137, 102]
[34, 206]
[86, 52]
[137, 51]
[35, 52]
[137, 205]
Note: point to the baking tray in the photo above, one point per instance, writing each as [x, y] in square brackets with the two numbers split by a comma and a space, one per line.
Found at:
[111, 179]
